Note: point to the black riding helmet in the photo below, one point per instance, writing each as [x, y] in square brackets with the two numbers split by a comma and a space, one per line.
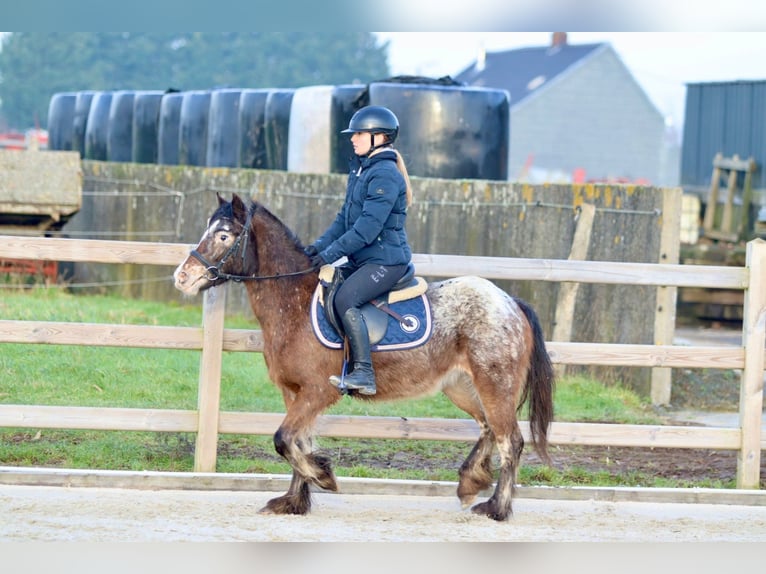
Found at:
[374, 120]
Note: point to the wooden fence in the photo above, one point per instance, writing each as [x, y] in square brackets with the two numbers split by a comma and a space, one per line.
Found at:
[212, 338]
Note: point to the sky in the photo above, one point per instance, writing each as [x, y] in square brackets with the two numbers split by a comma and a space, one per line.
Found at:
[662, 62]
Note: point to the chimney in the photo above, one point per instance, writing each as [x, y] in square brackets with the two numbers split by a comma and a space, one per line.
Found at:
[481, 60]
[558, 39]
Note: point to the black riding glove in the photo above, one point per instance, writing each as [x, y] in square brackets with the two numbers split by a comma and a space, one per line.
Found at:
[310, 250]
[317, 261]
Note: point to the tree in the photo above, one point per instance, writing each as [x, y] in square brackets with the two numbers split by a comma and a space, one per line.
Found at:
[34, 66]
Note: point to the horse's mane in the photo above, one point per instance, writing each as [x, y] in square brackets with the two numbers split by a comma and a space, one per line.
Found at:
[255, 210]
[259, 210]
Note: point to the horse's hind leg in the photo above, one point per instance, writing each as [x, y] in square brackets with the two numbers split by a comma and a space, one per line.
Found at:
[476, 471]
[499, 505]
[494, 410]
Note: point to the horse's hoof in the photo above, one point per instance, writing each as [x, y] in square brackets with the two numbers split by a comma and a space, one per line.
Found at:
[469, 487]
[466, 496]
[327, 482]
[489, 510]
[284, 505]
[323, 477]
[293, 511]
[466, 501]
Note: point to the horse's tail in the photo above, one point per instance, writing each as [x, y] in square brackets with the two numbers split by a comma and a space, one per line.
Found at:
[539, 385]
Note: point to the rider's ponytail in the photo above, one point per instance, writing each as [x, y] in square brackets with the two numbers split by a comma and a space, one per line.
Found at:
[403, 169]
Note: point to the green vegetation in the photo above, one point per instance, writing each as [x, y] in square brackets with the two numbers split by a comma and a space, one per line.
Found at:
[150, 378]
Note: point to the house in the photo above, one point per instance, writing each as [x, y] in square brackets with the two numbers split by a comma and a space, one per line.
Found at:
[576, 114]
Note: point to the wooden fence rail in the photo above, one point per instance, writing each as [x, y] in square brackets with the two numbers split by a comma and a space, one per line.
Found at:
[212, 338]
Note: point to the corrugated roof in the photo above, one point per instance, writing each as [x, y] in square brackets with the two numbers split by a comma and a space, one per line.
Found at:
[523, 71]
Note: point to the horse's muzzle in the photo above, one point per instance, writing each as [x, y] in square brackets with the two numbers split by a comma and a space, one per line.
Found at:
[183, 281]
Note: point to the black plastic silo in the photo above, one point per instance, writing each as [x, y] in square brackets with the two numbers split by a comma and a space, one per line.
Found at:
[60, 121]
[192, 128]
[146, 118]
[97, 126]
[169, 122]
[277, 112]
[252, 129]
[119, 141]
[223, 129]
[451, 132]
[80, 120]
[345, 101]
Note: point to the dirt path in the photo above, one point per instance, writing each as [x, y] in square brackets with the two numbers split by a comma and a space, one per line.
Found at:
[33, 513]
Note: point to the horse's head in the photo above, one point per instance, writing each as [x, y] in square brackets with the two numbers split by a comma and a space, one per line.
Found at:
[220, 253]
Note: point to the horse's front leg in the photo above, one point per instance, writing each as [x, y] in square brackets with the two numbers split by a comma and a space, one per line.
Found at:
[298, 451]
[294, 442]
[297, 499]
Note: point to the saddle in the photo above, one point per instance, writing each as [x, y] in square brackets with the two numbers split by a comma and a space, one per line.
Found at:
[405, 304]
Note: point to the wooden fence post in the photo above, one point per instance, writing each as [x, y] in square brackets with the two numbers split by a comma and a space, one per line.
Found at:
[565, 304]
[209, 393]
[665, 313]
[208, 422]
[751, 388]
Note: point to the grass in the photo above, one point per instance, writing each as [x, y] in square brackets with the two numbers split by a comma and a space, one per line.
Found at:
[158, 378]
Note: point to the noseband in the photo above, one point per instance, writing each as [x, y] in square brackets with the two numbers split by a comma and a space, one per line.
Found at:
[213, 271]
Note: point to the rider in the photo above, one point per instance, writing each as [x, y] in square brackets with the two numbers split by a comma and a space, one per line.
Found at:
[370, 230]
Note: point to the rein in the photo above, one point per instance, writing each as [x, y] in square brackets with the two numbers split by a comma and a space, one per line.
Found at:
[213, 272]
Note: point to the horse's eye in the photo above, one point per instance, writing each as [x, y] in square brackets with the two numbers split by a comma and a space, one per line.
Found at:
[223, 237]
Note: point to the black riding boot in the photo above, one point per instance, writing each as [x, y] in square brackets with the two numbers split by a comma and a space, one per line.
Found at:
[362, 378]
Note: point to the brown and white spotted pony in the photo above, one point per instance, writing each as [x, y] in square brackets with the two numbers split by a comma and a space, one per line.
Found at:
[486, 353]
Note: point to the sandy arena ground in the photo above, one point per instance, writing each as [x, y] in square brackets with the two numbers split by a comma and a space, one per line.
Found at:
[34, 513]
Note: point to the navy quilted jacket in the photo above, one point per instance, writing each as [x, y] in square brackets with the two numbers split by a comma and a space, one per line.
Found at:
[369, 228]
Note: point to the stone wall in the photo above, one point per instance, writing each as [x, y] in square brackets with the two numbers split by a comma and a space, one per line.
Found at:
[38, 189]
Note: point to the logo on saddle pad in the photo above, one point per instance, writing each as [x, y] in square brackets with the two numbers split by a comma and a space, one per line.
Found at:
[397, 320]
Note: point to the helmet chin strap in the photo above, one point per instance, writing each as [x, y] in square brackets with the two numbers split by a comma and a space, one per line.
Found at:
[373, 147]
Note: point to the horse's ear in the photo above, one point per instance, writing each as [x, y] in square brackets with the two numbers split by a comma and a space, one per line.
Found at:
[221, 200]
[238, 206]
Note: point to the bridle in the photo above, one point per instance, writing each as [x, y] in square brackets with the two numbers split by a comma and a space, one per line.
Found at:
[213, 271]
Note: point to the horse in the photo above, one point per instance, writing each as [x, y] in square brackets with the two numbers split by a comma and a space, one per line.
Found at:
[486, 354]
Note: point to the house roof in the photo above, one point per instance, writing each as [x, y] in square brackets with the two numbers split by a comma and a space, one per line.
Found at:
[524, 70]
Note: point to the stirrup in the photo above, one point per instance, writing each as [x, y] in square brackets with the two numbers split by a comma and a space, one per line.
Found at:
[339, 381]
[362, 388]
